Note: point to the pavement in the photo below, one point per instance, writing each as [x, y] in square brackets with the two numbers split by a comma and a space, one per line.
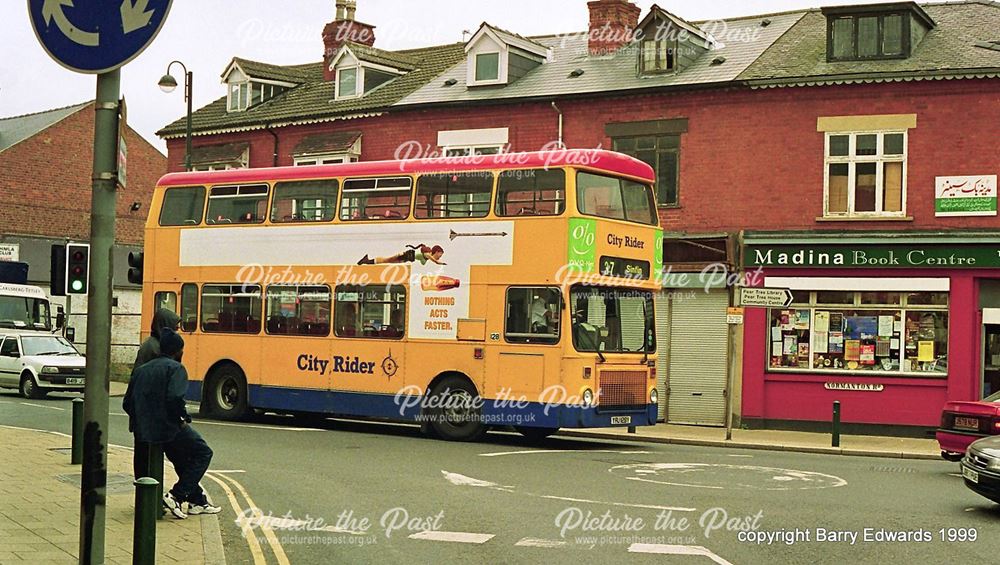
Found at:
[775, 440]
[40, 514]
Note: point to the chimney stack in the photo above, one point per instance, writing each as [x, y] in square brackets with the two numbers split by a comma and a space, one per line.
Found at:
[345, 28]
[612, 25]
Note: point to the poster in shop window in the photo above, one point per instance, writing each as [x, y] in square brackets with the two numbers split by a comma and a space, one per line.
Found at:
[852, 350]
[925, 351]
[836, 321]
[885, 326]
[867, 355]
[861, 327]
[822, 322]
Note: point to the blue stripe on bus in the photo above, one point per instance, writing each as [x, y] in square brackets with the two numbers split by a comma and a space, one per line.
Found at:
[343, 403]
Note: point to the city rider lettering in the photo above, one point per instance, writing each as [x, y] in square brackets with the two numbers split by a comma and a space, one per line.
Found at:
[311, 363]
[340, 365]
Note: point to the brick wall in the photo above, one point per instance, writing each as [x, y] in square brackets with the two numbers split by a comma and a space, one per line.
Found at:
[752, 159]
[45, 187]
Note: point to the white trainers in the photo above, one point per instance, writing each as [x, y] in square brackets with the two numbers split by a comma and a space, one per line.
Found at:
[172, 506]
[206, 508]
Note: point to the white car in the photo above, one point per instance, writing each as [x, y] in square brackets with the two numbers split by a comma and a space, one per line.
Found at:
[39, 364]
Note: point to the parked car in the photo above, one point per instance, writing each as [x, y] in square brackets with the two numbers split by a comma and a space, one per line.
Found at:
[981, 468]
[40, 364]
[963, 422]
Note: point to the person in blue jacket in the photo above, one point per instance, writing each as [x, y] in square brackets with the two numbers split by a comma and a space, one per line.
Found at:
[157, 413]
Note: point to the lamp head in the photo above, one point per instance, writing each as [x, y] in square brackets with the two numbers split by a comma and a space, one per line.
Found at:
[167, 83]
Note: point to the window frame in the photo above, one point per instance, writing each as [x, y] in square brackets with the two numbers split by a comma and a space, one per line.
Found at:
[658, 149]
[189, 222]
[530, 338]
[184, 302]
[486, 210]
[667, 48]
[359, 313]
[298, 299]
[259, 301]
[344, 190]
[851, 160]
[337, 158]
[475, 71]
[560, 203]
[903, 308]
[273, 200]
[158, 304]
[621, 193]
[905, 36]
[358, 78]
[261, 218]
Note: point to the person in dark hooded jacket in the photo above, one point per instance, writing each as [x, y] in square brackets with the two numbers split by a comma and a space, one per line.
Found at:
[150, 349]
[157, 414]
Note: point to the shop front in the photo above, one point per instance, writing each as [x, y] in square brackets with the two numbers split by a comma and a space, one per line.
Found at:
[891, 325]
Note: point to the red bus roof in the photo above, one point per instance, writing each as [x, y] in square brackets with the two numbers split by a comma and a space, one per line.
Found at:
[590, 159]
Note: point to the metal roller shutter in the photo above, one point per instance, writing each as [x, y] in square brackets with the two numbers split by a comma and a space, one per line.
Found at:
[662, 347]
[698, 358]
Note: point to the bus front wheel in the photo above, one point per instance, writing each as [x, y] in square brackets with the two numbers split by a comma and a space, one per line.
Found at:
[455, 410]
[227, 394]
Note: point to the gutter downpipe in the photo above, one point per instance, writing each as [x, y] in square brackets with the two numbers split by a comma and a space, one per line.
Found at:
[560, 140]
[275, 136]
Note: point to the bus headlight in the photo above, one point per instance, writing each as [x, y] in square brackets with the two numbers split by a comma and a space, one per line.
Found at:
[50, 370]
[588, 397]
[653, 396]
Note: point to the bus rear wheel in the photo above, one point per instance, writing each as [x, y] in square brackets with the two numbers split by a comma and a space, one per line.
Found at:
[456, 411]
[535, 434]
[226, 394]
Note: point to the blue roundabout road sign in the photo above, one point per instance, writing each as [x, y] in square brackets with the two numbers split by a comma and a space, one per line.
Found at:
[96, 36]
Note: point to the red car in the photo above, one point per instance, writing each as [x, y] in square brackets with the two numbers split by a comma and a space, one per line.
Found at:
[964, 422]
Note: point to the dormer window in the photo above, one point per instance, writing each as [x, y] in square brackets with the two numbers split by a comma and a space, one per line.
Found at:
[877, 31]
[667, 43]
[251, 83]
[238, 96]
[487, 66]
[246, 94]
[659, 55]
[497, 57]
[347, 82]
[360, 69]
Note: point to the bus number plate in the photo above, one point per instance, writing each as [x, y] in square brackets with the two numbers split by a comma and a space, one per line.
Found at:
[621, 420]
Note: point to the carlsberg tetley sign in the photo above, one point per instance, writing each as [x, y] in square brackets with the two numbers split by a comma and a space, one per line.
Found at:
[859, 256]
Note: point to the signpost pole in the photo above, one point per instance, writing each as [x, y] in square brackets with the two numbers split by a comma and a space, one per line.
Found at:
[102, 234]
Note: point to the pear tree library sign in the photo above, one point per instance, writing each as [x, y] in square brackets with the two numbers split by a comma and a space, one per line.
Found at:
[916, 256]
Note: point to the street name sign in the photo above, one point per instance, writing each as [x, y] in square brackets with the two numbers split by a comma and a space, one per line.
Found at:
[765, 297]
[96, 36]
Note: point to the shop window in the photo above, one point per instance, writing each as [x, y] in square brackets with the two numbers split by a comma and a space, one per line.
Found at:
[865, 174]
[888, 333]
[533, 315]
[189, 307]
[298, 310]
[370, 311]
[182, 206]
[230, 309]
[465, 195]
[663, 153]
[166, 300]
[531, 192]
[304, 201]
[237, 204]
[376, 199]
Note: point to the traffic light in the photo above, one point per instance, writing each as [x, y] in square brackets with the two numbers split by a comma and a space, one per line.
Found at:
[77, 268]
[135, 261]
[57, 271]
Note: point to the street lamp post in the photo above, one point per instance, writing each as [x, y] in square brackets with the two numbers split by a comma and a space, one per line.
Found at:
[167, 84]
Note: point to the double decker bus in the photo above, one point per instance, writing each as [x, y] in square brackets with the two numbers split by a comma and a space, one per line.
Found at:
[511, 290]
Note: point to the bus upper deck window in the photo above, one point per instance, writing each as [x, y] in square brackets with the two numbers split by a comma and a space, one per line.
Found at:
[462, 195]
[182, 206]
[304, 201]
[531, 192]
[376, 199]
[237, 204]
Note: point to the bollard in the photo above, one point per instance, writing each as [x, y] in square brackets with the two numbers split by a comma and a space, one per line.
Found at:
[631, 429]
[148, 462]
[147, 509]
[836, 423]
[76, 449]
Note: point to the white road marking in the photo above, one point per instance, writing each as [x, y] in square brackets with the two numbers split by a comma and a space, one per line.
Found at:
[534, 451]
[259, 427]
[462, 480]
[228, 471]
[741, 456]
[291, 523]
[959, 475]
[766, 477]
[279, 552]
[538, 542]
[630, 505]
[252, 543]
[456, 537]
[43, 406]
[676, 550]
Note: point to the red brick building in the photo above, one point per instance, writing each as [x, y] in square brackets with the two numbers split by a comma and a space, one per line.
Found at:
[792, 132]
[45, 190]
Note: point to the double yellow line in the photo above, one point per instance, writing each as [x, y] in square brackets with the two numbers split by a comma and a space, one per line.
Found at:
[251, 512]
